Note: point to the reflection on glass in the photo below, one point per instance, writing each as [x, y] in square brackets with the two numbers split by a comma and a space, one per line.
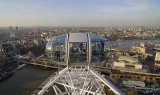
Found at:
[99, 51]
[78, 52]
[96, 51]
[55, 48]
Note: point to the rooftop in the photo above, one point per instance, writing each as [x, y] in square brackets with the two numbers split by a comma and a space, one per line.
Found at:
[128, 59]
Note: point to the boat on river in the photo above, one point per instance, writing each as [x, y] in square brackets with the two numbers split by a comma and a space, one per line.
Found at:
[21, 66]
[6, 75]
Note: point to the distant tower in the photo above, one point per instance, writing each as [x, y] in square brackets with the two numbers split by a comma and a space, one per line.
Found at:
[10, 27]
[17, 29]
[12, 33]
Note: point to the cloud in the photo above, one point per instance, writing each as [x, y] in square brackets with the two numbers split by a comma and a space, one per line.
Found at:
[128, 6]
[139, 5]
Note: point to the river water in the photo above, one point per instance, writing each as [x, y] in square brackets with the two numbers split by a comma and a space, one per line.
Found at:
[25, 80]
[129, 43]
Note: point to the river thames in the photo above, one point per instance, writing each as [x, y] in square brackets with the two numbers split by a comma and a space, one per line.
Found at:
[25, 80]
[129, 43]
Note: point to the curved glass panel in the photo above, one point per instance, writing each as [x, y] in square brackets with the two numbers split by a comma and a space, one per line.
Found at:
[55, 48]
[96, 48]
[107, 49]
[102, 38]
[49, 46]
[106, 46]
[100, 48]
[94, 37]
[61, 39]
[53, 39]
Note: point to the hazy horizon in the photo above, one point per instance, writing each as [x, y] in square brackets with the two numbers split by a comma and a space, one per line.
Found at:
[92, 13]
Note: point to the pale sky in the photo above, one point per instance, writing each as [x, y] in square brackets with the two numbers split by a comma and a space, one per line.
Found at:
[79, 12]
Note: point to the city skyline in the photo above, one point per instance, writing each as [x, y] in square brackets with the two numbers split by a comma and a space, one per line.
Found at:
[79, 13]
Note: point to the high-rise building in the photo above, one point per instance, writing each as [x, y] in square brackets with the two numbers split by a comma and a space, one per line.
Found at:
[10, 28]
[12, 33]
[17, 29]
